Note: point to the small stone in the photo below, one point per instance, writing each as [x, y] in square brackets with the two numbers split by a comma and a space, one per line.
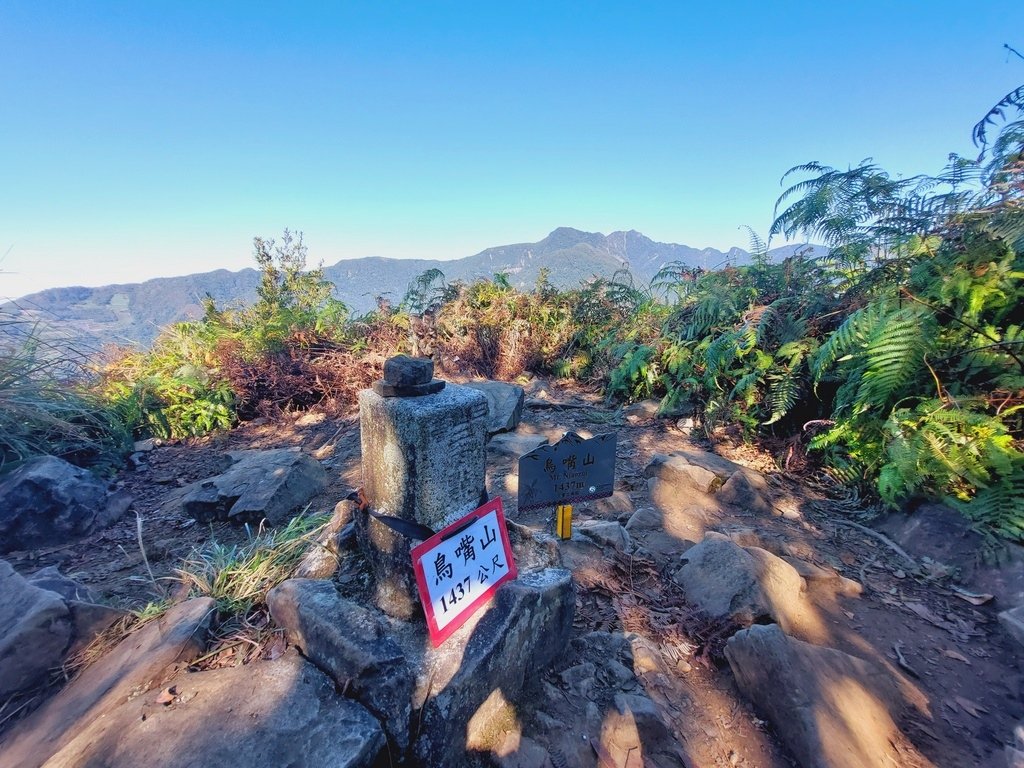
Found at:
[405, 371]
[681, 476]
[515, 445]
[606, 534]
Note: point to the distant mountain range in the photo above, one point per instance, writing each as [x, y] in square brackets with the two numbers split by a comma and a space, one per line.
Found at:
[134, 313]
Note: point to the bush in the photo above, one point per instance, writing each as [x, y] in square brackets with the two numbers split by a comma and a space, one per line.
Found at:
[46, 409]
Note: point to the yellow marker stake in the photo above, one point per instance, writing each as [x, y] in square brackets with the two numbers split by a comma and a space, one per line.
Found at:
[563, 521]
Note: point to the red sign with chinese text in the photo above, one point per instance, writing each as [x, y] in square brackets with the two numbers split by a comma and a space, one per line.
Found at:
[459, 569]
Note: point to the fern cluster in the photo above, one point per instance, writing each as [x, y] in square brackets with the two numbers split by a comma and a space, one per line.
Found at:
[905, 341]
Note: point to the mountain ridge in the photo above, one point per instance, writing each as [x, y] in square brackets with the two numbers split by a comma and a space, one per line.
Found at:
[134, 313]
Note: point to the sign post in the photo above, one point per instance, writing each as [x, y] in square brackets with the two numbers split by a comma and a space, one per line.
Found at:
[571, 470]
[459, 569]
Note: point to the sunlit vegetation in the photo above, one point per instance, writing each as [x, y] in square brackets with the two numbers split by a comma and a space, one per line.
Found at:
[896, 359]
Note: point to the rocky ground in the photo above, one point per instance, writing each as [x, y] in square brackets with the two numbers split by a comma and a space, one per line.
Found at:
[865, 649]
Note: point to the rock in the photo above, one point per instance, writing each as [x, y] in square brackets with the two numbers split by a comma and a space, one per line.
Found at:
[35, 631]
[607, 534]
[262, 715]
[617, 506]
[518, 751]
[405, 371]
[48, 501]
[139, 663]
[144, 446]
[52, 579]
[747, 491]
[504, 404]
[684, 516]
[270, 485]
[635, 733]
[742, 585]
[681, 476]
[642, 411]
[1015, 752]
[88, 617]
[465, 688]
[322, 557]
[825, 578]
[1013, 622]
[351, 645]
[532, 551]
[511, 444]
[712, 462]
[829, 708]
[89, 620]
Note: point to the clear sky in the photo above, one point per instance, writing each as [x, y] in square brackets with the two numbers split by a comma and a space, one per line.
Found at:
[146, 138]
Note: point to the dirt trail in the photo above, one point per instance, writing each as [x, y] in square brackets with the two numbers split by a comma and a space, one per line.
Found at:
[957, 671]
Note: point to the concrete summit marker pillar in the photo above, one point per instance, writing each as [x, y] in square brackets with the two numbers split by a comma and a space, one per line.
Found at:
[424, 461]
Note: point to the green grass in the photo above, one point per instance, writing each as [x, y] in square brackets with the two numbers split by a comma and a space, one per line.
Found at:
[238, 577]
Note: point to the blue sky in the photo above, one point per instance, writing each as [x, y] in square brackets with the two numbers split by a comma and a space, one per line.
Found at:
[141, 139]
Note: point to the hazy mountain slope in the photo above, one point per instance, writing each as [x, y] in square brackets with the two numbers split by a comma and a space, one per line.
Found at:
[134, 312]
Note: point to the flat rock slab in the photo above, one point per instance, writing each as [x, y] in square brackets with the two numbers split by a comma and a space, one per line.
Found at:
[831, 710]
[139, 663]
[48, 501]
[504, 404]
[350, 644]
[744, 585]
[263, 715]
[35, 631]
[270, 485]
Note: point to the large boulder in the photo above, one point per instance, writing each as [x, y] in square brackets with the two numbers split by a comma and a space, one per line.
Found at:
[270, 485]
[472, 683]
[350, 644]
[504, 404]
[262, 715]
[139, 663]
[35, 631]
[744, 585]
[48, 502]
[831, 710]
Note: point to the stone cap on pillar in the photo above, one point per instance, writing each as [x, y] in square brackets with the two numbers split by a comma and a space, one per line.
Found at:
[406, 376]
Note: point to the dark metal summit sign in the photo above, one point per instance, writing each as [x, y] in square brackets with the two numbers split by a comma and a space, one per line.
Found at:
[571, 470]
